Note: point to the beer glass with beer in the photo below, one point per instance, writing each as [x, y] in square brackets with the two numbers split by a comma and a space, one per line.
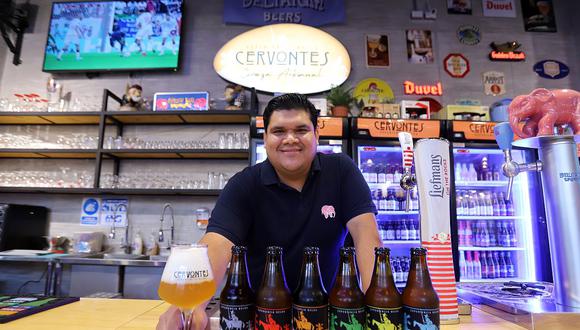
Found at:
[187, 279]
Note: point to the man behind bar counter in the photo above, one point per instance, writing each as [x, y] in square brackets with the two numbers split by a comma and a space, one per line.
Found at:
[295, 198]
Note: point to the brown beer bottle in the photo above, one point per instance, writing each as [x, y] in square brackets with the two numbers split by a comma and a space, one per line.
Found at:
[237, 297]
[347, 301]
[273, 299]
[310, 300]
[383, 302]
[420, 301]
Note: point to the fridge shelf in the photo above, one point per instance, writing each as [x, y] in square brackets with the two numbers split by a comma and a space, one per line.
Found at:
[478, 217]
[495, 248]
[493, 280]
[481, 184]
[401, 242]
[399, 212]
[386, 185]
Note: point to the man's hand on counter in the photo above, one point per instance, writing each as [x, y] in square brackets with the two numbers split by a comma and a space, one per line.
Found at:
[170, 320]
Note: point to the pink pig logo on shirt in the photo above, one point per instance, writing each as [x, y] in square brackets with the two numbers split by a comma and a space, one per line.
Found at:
[328, 211]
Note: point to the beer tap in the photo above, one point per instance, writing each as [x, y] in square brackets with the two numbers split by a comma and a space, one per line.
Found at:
[408, 180]
[504, 136]
[161, 235]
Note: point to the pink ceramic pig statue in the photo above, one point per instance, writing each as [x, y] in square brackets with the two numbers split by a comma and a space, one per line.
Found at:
[543, 109]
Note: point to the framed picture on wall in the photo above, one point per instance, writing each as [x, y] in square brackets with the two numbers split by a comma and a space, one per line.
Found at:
[539, 15]
[419, 46]
[377, 51]
[459, 7]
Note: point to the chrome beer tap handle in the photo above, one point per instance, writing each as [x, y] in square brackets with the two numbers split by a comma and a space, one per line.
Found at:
[408, 180]
[504, 136]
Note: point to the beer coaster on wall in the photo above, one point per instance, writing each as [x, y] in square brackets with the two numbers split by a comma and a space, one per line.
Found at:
[468, 34]
[456, 65]
[499, 8]
[494, 83]
[419, 46]
[551, 69]
[459, 7]
[377, 50]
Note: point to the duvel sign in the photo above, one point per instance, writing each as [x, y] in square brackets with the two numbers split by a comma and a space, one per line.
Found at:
[284, 58]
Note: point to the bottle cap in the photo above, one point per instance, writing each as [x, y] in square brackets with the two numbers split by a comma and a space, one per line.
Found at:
[311, 250]
[274, 250]
[382, 250]
[418, 251]
[239, 249]
[347, 250]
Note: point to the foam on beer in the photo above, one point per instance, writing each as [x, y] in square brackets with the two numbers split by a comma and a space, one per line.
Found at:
[187, 266]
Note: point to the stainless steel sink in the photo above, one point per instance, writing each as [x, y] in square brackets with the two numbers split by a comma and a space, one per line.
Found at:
[158, 258]
[122, 256]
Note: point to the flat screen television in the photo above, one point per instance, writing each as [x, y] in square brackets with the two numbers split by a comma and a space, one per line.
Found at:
[113, 36]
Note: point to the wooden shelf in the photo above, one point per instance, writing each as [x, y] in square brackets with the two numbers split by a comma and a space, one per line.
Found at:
[48, 153]
[50, 118]
[101, 191]
[178, 153]
[181, 117]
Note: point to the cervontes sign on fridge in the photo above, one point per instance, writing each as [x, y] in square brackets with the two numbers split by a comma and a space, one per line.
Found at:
[333, 133]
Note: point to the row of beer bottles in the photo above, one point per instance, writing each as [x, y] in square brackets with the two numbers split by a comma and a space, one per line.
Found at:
[273, 306]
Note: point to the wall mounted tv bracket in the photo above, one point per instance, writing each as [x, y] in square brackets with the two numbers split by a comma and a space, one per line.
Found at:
[14, 20]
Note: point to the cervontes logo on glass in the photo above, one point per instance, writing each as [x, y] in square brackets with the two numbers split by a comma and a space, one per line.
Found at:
[190, 274]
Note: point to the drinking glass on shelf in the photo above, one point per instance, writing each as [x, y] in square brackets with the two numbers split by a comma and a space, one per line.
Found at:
[245, 140]
[187, 280]
[230, 140]
[222, 141]
[237, 141]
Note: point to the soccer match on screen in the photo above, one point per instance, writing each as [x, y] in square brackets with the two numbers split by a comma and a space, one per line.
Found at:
[113, 35]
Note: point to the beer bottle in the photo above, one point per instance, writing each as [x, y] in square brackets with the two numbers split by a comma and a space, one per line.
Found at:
[237, 297]
[420, 301]
[384, 306]
[310, 300]
[273, 299]
[347, 305]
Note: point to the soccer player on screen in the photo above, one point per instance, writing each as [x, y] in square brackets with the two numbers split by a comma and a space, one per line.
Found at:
[144, 26]
[168, 30]
[73, 36]
[118, 37]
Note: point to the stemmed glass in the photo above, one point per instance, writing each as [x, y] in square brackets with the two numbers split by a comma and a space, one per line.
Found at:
[187, 279]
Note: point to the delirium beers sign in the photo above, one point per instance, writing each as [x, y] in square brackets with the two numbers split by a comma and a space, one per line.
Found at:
[284, 58]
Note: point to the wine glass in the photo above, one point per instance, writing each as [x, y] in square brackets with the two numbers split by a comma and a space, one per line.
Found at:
[187, 279]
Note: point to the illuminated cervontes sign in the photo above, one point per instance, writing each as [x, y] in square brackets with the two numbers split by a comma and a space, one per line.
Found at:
[285, 58]
[414, 89]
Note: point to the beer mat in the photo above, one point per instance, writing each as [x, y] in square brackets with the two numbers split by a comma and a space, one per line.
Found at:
[16, 307]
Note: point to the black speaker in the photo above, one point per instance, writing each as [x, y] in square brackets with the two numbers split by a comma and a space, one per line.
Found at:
[23, 227]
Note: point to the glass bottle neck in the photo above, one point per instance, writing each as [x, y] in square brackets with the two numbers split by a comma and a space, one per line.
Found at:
[419, 273]
[274, 272]
[238, 274]
[347, 274]
[310, 275]
[382, 273]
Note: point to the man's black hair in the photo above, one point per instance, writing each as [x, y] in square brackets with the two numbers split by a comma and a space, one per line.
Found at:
[292, 101]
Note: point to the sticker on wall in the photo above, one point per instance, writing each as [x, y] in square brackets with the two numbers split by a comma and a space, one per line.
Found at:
[419, 46]
[506, 52]
[499, 8]
[494, 83]
[468, 34]
[539, 16]
[91, 209]
[459, 7]
[114, 212]
[551, 69]
[456, 65]
[373, 91]
[377, 50]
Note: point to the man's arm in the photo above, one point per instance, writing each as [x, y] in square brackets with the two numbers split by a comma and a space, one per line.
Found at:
[363, 229]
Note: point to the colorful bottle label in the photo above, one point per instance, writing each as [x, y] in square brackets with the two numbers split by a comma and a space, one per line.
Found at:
[346, 318]
[308, 317]
[267, 318]
[236, 316]
[421, 318]
[384, 318]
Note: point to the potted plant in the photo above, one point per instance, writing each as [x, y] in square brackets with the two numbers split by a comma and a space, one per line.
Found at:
[341, 100]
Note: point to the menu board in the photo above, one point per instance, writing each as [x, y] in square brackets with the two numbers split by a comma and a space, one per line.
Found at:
[15, 307]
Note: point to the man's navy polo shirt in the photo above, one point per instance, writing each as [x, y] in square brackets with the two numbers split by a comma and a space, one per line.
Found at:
[256, 210]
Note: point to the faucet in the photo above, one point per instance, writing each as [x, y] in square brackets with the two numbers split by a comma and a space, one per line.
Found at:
[161, 234]
[408, 180]
[504, 136]
[113, 233]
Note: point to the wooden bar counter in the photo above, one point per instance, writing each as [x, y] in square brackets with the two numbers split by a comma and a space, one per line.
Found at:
[93, 313]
